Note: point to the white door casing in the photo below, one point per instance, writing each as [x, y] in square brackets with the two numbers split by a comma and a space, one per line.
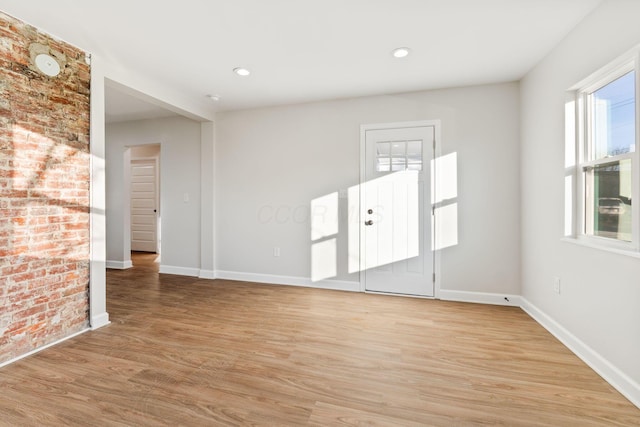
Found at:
[395, 209]
[144, 205]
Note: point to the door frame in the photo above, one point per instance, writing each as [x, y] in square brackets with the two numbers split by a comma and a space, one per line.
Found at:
[434, 227]
[128, 158]
[156, 163]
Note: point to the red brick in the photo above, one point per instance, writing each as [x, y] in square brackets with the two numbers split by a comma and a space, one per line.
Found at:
[44, 192]
[14, 269]
[16, 326]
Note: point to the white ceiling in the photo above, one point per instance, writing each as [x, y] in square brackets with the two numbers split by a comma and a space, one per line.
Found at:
[304, 50]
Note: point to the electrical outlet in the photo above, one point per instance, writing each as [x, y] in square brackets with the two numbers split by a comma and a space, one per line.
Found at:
[276, 251]
[556, 285]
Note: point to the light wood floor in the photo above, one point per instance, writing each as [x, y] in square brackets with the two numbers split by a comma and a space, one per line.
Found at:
[183, 351]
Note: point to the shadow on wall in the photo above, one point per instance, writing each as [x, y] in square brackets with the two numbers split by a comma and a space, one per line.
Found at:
[44, 248]
[392, 231]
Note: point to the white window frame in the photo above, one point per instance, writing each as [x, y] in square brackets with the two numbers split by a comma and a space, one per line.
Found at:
[580, 137]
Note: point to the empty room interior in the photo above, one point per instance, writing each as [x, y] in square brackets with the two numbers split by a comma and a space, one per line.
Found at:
[337, 212]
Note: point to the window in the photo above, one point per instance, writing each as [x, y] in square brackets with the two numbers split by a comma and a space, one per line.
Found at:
[606, 176]
[393, 156]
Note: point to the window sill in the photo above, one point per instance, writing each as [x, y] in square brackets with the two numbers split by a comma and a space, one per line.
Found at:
[581, 242]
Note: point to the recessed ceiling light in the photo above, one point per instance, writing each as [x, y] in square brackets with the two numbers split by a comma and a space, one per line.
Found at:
[241, 71]
[400, 52]
[214, 97]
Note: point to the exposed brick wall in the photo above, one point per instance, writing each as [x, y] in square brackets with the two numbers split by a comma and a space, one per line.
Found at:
[44, 191]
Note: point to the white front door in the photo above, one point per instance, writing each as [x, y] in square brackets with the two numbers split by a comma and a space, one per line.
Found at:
[144, 206]
[396, 213]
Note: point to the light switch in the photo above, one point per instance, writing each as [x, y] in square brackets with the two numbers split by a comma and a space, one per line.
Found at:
[185, 198]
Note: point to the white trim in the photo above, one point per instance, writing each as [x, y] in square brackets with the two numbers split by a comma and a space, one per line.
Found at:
[590, 243]
[614, 376]
[180, 271]
[207, 199]
[363, 179]
[128, 185]
[583, 196]
[39, 349]
[99, 321]
[609, 74]
[608, 70]
[207, 274]
[399, 295]
[635, 173]
[437, 253]
[340, 285]
[480, 297]
[97, 235]
[156, 165]
[119, 265]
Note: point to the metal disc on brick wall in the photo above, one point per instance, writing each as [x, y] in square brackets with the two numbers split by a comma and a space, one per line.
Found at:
[47, 64]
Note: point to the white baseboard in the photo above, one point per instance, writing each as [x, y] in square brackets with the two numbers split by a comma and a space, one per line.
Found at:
[207, 274]
[618, 379]
[340, 285]
[99, 321]
[181, 271]
[39, 349]
[119, 265]
[480, 297]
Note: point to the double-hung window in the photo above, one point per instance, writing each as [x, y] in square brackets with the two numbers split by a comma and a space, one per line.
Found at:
[607, 179]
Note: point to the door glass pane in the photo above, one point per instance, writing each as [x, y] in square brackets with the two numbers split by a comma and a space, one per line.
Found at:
[383, 153]
[414, 155]
[398, 148]
[398, 156]
[398, 164]
[383, 149]
[613, 122]
[612, 200]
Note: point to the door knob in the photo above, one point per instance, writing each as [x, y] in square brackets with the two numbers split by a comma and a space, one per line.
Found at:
[370, 211]
[155, 210]
[370, 222]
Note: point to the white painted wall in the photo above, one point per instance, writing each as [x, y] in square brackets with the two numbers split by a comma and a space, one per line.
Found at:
[272, 162]
[599, 304]
[207, 200]
[98, 279]
[180, 143]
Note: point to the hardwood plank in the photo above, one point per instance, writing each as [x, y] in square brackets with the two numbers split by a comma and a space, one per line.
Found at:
[329, 414]
[186, 351]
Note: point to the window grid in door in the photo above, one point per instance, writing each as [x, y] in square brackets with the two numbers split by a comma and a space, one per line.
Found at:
[394, 156]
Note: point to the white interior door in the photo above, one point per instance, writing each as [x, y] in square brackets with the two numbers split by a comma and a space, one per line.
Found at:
[396, 214]
[144, 205]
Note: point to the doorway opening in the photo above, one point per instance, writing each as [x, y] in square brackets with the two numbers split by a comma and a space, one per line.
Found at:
[144, 200]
